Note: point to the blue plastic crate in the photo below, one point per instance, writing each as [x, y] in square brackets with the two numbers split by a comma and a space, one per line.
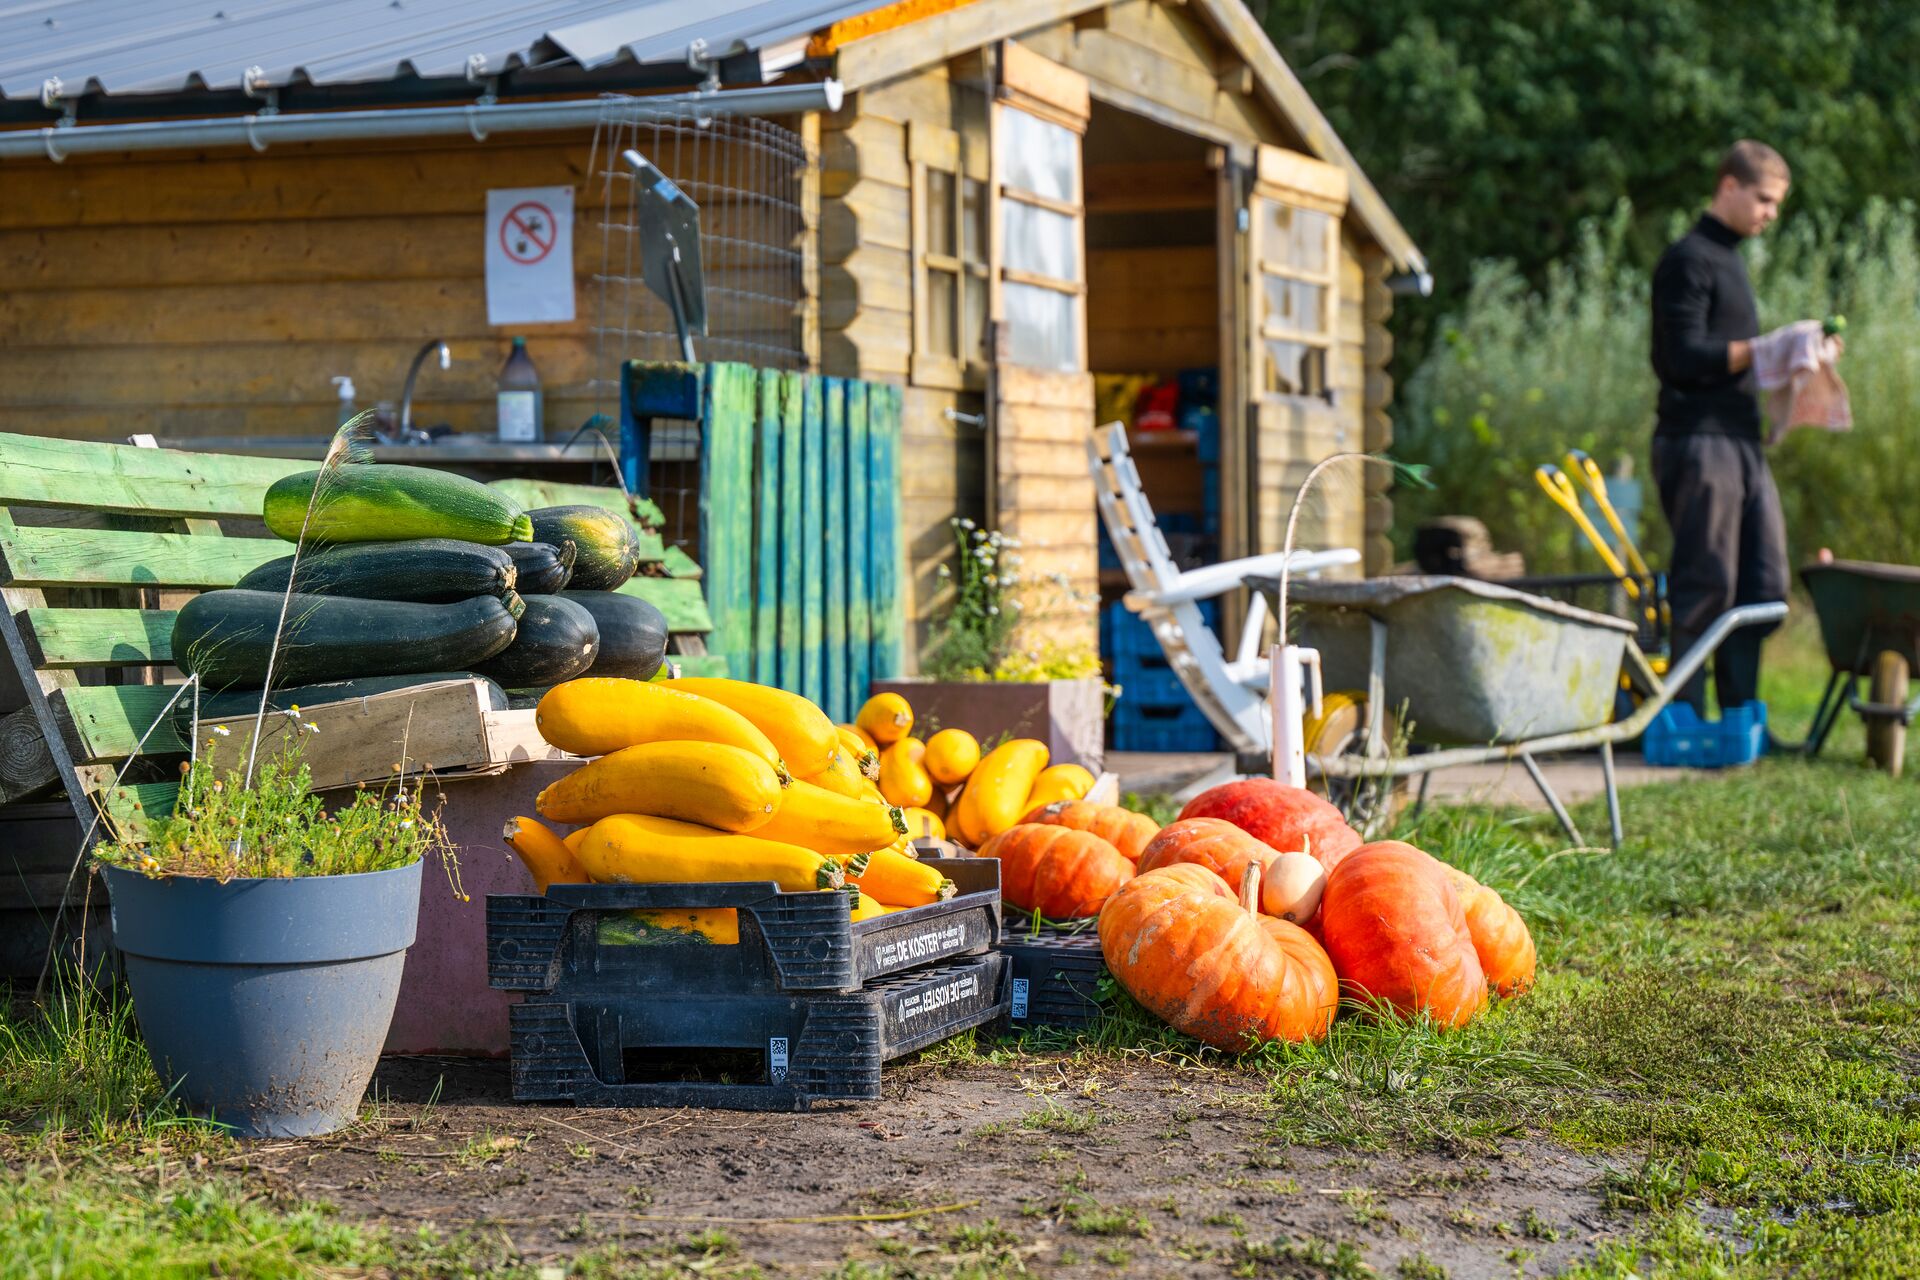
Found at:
[1149, 681]
[1123, 634]
[1168, 728]
[1678, 736]
[1205, 425]
[1200, 385]
[1178, 522]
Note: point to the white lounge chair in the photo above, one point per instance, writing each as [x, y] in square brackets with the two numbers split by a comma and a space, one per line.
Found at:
[1232, 694]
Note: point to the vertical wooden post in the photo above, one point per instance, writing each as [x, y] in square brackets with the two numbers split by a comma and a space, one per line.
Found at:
[885, 550]
[813, 593]
[766, 528]
[860, 481]
[839, 392]
[796, 390]
[726, 508]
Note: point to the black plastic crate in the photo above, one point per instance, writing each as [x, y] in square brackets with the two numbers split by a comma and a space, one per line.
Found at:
[771, 1052]
[788, 941]
[1053, 974]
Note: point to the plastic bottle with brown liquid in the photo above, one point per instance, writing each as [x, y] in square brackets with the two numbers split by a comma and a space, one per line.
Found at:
[521, 406]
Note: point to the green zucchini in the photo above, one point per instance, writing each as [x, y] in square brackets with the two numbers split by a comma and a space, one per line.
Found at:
[225, 637]
[608, 548]
[633, 634]
[544, 568]
[384, 502]
[557, 641]
[423, 570]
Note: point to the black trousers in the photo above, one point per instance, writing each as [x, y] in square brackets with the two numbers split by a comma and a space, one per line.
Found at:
[1729, 548]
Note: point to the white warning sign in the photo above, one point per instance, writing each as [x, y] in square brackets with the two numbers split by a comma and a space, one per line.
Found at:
[530, 255]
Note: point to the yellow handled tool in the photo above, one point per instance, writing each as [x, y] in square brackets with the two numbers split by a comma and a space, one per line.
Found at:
[1589, 471]
[1556, 486]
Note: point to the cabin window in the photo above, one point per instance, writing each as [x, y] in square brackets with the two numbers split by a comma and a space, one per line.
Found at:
[950, 270]
[1298, 254]
[1042, 268]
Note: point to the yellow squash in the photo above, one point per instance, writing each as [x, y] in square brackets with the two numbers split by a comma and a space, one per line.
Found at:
[818, 819]
[867, 909]
[634, 849]
[714, 924]
[924, 824]
[886, 718]
[902, 780]
[801, 732]
[998, 788]
[548, 859]
[899, 881]
[951, 756]
[1058, 782]
[715, 786]
[854, 736]
[843, 777]
[956, 821]
[857, 747]
[595, 716]
[573, 838]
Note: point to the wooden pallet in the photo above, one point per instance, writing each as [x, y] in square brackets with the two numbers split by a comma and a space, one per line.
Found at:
[99, 545]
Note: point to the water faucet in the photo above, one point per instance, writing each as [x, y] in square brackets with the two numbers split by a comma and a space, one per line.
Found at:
[407, 432]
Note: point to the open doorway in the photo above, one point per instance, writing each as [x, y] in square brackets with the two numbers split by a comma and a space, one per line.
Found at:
[1154, 316]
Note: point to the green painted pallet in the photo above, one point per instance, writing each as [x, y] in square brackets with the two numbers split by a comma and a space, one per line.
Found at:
[91, 534]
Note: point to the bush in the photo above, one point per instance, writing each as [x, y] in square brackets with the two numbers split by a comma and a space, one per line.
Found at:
[1521, 374]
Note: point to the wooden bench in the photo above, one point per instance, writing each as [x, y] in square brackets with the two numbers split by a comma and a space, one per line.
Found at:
[100, 543]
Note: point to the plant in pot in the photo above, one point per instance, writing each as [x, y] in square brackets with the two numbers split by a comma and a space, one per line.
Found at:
[989, 670]
[263, 938]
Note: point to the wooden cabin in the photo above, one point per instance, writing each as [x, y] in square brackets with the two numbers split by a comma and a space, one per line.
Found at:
[1018, 206]
[1021, 200]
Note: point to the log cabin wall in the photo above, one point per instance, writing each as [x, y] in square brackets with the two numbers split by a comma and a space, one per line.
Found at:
[217, 293]
[867, 309]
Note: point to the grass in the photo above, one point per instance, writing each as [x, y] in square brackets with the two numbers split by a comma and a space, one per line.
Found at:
[1728, 1017]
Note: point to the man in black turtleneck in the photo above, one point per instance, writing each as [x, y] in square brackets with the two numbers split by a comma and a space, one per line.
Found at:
[1729, 541]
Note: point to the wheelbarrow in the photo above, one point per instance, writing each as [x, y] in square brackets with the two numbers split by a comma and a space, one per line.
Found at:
[1870, 622]
[1483, 673]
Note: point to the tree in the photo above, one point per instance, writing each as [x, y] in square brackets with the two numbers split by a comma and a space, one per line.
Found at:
[1495, 128]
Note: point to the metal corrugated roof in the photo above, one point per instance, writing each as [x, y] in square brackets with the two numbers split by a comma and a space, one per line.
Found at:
[168, 46]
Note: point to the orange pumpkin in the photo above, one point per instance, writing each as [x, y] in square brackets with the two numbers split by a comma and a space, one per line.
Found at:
[1061, 873]
[1211, 966]
[1213, 843]
[1500, 936]
[1396, 931]
[1124, 829]
[1285, 818]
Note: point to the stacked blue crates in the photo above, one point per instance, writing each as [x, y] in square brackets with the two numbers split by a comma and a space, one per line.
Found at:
[1153, 711]
[1199, 394]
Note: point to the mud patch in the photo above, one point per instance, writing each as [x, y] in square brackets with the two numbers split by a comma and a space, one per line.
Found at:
[1055, 1166]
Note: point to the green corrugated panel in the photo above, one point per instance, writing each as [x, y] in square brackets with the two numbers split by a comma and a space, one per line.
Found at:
[859, 496]
[726, 508]
[885, 550]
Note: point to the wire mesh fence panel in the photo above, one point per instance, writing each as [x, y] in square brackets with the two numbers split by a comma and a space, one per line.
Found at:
[746, 175]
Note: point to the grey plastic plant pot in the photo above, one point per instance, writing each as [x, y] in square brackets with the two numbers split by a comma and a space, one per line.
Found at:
[264, 1003]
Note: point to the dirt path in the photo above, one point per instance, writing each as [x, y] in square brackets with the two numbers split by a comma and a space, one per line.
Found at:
[1065, 1168]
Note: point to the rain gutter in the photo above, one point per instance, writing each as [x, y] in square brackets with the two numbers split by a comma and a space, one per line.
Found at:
[262, 129]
